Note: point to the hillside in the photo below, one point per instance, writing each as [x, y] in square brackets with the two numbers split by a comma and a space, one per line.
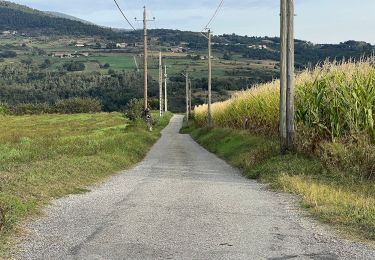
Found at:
[66, 16]
[34, 22]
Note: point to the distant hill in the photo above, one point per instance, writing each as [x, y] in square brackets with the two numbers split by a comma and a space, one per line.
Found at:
[34, 22]
[66, 16]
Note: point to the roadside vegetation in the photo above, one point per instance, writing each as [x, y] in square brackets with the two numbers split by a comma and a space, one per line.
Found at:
[334, 168]
[43, 157]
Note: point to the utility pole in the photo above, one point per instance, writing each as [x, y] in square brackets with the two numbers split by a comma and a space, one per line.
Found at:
[209, 115]
[283, 75]
[287, 131]
[187, 96]
[160, 86]
[165, 89]
[290, 77]
[147, 114]
[145, 58]
[190, 92]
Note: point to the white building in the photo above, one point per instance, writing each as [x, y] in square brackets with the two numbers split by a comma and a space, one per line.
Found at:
[122, 45]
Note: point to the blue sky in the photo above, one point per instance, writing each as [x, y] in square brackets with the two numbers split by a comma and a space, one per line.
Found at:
[319, 21]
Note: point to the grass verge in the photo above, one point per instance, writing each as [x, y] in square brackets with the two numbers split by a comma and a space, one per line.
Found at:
[331, 195]
[48, 156]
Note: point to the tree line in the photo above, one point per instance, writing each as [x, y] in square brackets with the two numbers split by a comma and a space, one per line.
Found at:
[23, 84]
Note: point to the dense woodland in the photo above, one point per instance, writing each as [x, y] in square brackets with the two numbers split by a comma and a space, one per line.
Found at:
[25, 84]
[29, 83]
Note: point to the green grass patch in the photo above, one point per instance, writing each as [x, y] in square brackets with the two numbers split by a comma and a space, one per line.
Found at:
[48, 156]
[333, 196]
[118, 62]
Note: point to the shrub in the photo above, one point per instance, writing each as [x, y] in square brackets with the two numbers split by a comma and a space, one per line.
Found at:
[68, 106]
[31, 109]
[46, 64]
[8, 54]
[105, 66]
[134, 109]
[78, 105]
[2, 109]
[74, 66]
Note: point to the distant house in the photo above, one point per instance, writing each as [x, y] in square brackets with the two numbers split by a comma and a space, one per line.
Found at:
[62, 55]
[85, 54]
[79, 45]
[203, 57]
[258, 47]
[178, 50]
[8, 33]
[122, 45]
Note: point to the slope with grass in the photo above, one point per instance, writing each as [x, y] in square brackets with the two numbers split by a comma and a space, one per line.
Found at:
[334, 168]
[48, 156]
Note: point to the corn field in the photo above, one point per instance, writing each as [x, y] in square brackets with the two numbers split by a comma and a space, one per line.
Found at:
[334, 100]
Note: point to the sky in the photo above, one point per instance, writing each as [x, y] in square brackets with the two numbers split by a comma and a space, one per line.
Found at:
[318, 21]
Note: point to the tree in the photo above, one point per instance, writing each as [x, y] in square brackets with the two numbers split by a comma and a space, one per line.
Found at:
[46, 64]
[105, 66]
[74, 66]
[227, 56]
[8, 54]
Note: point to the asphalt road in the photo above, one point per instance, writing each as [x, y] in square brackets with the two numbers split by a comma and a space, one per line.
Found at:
[182, 202]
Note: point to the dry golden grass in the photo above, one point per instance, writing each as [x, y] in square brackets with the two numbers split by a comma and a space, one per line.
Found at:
[337, 99]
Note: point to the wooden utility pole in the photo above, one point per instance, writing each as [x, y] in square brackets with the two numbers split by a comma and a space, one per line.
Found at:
[187, 95]
[145, 59]
[209, 115]
[190, 94]
[160, 86]
[287, 131]
[290, 77]
[165, 89]
[283, 75]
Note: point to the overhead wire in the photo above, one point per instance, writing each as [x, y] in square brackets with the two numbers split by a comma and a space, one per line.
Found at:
[123, 14]
[214, 15]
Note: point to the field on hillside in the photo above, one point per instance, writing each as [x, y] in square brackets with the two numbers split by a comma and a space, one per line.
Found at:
[48, 156]
[39, 62]
[124, 60]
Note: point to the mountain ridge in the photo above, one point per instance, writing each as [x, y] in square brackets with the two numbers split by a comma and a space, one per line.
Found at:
[69, 17]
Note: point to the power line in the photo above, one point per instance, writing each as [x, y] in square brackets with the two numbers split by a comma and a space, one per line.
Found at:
[214, 15]
[127, 20]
